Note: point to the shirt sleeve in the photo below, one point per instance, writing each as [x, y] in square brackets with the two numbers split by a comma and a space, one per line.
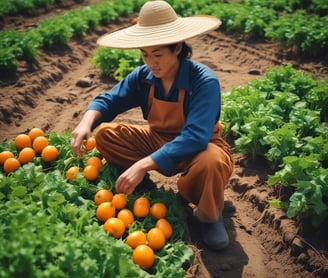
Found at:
[122, 97]
[202, 115]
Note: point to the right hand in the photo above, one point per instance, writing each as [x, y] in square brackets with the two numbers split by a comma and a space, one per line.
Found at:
[83, 131]
[79, 134]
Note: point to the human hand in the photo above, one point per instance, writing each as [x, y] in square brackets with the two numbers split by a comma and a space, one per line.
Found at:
[129, 179]
[79, 134]
[83, 131]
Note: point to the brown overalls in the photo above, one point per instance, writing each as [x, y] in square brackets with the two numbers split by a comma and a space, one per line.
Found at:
[202, 179]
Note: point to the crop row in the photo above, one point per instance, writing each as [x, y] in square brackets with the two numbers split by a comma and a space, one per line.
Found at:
[297, 27]
[308, 34]
[283, 119]
[14, 7]
[57, 31]
[313, 6]
[51, 225]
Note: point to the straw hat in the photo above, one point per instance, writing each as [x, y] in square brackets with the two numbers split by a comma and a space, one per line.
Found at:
[158, 24]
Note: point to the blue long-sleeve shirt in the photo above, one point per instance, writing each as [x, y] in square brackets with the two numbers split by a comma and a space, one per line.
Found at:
[201, 107]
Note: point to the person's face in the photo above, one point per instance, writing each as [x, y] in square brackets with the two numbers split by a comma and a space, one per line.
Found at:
[161, 60]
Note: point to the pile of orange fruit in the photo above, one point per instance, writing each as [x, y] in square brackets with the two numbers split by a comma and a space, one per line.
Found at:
[28, 146]
[90, 171]
[92, 167]
[113, 212]
[35, 143]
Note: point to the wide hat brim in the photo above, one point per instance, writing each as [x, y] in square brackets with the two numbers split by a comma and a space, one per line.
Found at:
[181, 29]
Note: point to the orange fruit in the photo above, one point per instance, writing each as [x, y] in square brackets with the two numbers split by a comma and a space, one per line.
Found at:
[141, 207]
[134, 21]
[165, 226]
[135, 239]
[158, 210]
[103, 195]
[39, 143]
[89, 144]
[142, 200]
[105, 211]
[155, 238]
[126, 216]
[91, 172]
[11, 164]
[94, 160]
[49, 153]
[4, 155]
[143, 256]
[35, 132]
[115, 227]
[22, 141]
[26, 155]
[72, 172]
[119, 200]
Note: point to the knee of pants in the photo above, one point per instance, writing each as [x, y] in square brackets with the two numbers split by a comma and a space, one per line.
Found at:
[103, 133]
[215, 163]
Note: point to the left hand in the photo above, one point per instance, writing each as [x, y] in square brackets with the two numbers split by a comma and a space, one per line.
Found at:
[129, 179]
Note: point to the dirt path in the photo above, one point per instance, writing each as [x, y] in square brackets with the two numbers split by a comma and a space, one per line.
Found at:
[264, 243]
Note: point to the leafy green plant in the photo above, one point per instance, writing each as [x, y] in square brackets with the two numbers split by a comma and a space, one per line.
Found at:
[278, 5]
[279, 118]
[115, 62]
[57, 31]
[15, 6]
[308, 34]
[61, 235]
[15, 46]
[319, 6]
[283, 142]
[54, 32]
[311, 187]
[317, 99]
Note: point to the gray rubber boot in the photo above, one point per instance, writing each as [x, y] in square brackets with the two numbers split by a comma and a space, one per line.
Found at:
[214, 235]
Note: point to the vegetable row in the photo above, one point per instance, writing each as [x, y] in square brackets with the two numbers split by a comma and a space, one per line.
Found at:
[298, 24]
[283, 119]
[308, 34]
[58, 31]
[51, 225]
[14, 7]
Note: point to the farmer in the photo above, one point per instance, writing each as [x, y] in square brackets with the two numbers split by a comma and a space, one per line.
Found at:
[180, 99]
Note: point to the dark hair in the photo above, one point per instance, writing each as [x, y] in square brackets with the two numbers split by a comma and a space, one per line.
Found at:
[185, 53]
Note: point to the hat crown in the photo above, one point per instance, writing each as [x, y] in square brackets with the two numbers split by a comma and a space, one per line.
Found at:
[156, 13]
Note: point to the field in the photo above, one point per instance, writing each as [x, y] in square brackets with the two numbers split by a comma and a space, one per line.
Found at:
[53, 92]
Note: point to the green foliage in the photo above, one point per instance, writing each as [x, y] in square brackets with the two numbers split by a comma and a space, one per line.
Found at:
[107, 12]
[16, 6]
[57, 31]
[54, 32]
[7, 8]
[282, 142]
[118, 63]
[280, 118]
[49, 229]
[319, 6]
[189, 8]
[317, 99]
[278, 5]
[254, 18]
[308, 34]
[242, 18]
[311, 182]
[14, 46]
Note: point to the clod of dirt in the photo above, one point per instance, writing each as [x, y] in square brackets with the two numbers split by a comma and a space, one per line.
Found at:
[84, 82]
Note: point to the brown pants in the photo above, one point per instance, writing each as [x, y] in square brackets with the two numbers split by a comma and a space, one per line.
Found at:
[202, 179]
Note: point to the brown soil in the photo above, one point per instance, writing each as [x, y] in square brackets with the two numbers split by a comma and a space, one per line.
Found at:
[264, 242]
